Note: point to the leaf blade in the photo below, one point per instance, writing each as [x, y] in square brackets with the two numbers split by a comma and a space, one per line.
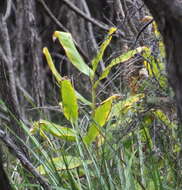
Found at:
[69, 101]
[73, 55]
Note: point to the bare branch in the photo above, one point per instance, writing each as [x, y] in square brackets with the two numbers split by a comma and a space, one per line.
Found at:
[90, 28]
[51, 15]
[85, 16]
[7, 47]
[8, 9]
[2, 54]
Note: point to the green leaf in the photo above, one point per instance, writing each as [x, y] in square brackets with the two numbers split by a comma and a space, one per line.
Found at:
[51, 65]
[69, 101]
[58, 77]
[54, 129]
[145, 134]
[99, 119]
[155, 67]
[124, 106]
[64, 163]
[120, 59]
[73, 55]
[104, 45]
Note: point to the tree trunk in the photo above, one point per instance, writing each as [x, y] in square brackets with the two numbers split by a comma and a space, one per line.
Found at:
[168, 15]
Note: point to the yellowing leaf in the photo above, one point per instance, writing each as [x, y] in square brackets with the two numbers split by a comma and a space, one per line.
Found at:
[124, 106]
[155, 67]
[120, 59]
[163, 117]
[100, 118]
[51, 65]
[73, 55]
[54, 129]
[104, 45]
[69, 101]
[58, 76]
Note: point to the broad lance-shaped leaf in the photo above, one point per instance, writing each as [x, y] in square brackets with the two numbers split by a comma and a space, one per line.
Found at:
[63, 163]
[100, 118]
[54, 129]
[104, 45]
[73, 55]
[69, 101]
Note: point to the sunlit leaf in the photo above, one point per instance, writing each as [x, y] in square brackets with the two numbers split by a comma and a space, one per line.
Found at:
[54, 129]
[69, 101]
[176, 148]
[73, 55]
[124, 106]
[124, 57]
[104, 45]
[51, 65]
[58, 76]
[99, 119]
[64, 163]
[155, 67]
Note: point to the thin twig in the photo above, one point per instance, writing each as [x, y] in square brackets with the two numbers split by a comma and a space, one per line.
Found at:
[141, 30]
[24, 91]
[90, 29]
[102, 26]
[85, 16]
[9, 63]
[2, 54]
[8, 9]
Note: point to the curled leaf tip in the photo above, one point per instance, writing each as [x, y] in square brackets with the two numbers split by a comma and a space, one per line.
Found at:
[55, 35]
[45, 50]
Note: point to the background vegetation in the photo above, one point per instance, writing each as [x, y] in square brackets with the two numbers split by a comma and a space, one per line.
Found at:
[90, 109]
